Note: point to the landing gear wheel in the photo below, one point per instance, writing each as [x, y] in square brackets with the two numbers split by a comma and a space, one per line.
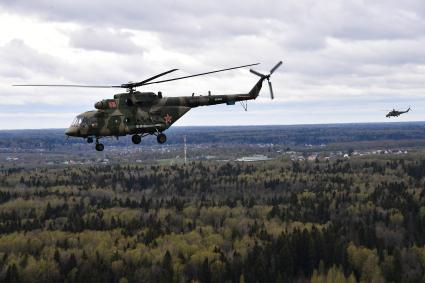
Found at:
[99, 147]
[161, 138]
[89, 140]
[136, 139]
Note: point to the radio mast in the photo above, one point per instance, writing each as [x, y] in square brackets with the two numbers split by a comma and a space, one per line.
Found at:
[185, 149]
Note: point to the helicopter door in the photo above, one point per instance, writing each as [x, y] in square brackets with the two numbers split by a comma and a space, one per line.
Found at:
[115, 125]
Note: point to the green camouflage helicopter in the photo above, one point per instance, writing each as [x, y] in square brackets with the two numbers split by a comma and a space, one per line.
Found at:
[395, 113]
[146, 113]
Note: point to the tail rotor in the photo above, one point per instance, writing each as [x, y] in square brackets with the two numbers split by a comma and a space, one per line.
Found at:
[275, 67]
[271, 90]
[267, 77]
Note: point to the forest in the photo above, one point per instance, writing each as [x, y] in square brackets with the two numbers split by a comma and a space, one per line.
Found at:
[344, 220]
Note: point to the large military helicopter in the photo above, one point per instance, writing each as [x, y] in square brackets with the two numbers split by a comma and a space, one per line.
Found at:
[395, 113]
[146, 113]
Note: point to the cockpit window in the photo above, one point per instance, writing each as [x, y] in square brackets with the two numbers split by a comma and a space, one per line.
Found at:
[76, 122]
[84, 122]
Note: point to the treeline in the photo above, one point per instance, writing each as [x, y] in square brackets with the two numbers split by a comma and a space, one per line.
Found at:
[412, 133]
[358, 220]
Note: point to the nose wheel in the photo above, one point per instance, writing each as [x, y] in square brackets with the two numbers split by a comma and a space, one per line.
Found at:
[136, 139]
[99, 146]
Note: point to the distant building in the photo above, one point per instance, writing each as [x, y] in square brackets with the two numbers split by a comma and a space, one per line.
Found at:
[253, 158]
[298, 158]
[312, 157]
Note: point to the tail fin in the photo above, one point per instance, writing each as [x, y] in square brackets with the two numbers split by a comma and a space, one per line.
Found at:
[255, 91]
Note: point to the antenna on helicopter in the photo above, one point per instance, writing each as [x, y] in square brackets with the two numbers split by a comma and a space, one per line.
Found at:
[268, 77]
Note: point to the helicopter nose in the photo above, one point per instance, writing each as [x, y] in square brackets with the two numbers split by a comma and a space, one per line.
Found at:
[72, 132]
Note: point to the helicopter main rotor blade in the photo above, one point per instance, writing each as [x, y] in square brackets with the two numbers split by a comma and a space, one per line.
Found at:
[144, 82]
[275, 67]
[130, 85]
[127, 85]
[201, 74]
[88, 86]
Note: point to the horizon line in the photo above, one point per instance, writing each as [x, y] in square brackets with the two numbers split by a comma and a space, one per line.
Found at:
[247, 126]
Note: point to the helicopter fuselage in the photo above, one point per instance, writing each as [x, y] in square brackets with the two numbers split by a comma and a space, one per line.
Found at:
[137, 112]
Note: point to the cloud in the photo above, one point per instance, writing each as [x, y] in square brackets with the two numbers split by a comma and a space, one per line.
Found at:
[344, 53]
[18, 60]
[108, 40]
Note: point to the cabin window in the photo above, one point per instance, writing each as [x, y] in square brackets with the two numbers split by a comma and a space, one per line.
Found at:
[93, 122]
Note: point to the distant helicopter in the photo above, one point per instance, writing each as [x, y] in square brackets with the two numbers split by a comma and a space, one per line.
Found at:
[145, 113]
[395, 113]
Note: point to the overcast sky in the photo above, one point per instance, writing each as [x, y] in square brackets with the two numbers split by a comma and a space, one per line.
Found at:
[344, 61]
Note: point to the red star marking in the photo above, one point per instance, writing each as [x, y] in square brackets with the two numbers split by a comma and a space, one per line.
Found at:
[112, 104]
[167, 119]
